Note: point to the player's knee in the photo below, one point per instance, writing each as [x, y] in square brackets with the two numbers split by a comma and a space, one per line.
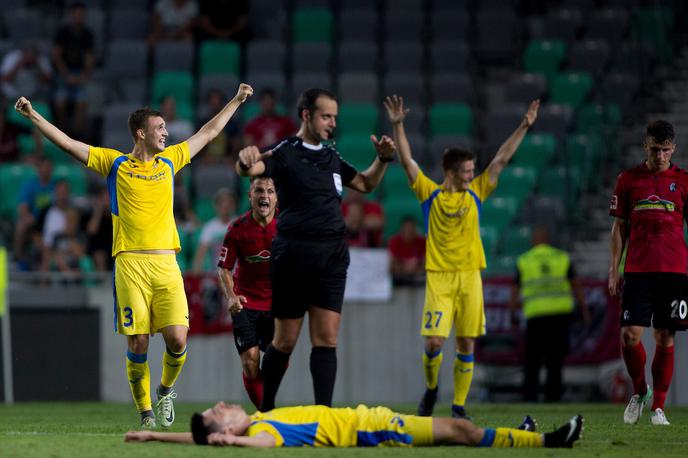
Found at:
[285, 344]
[138, 344]
[465, 432]
[664, 337]
[176, 344]
[630, 337]
[251, 369]
[433, 344]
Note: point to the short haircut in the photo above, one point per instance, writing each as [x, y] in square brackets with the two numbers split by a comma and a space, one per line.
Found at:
[199, 431]
[139, 118]
[454, 157]
[661, 131]
[308, 98]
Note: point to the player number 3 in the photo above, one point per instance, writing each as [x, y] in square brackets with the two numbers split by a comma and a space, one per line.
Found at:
[679, 309]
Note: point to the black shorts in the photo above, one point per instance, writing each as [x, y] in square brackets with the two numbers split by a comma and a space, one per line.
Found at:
[252, 328]
[307, 273]
[655, 299]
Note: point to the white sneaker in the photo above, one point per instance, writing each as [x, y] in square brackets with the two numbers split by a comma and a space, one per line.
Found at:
[657, 417]
[164, 409]
[634, 409]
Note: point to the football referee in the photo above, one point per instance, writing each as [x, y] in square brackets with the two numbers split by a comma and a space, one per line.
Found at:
[309, 255]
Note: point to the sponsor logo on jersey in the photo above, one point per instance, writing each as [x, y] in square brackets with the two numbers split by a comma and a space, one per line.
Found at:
[157, 177]
[263, 256]
[672, 187]
[653, 202]
[614, 203]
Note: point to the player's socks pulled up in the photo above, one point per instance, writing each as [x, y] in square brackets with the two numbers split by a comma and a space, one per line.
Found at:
[510, 438]
[172, 364]
[138, 375]
[431, 368]
[662, 373]
[463, 376]
[254, 388]
[635, 358]
[427, 402]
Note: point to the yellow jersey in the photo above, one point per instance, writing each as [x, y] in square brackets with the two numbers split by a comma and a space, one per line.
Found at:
[452, 223]
[321, 426]
[141, 196]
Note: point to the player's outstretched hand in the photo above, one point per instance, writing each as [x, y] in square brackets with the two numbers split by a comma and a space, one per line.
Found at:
[23, 106]
[395, 109]
[531, 114]
[385, 146]
[245, 91]
[221, 439]
[138, 436]
[236, 304]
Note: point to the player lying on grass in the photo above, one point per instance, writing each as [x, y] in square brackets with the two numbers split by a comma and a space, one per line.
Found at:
[321, 426]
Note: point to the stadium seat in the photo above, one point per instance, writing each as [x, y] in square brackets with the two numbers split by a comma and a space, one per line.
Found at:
[609, 24]
[516, 240]
[589, 56]
[516, 181]
[402, 26]
[395, 210]
[219, 57]
[411, 86]
[312, 24]
[403, 57]
[554, 119]
[596, 117]
[272, 80]
[489, 236]
[205, 209]
[652, 25]
[302, 81]
[536, 150]
[126, 59]
[356, 149]
[451, 118]
[562, 25]
[357, 56]
[13, 177]
[499, 211]
[74, 174]
[449, 24]
[358, 25]
[395, 185]
[450, 57]
[15, 118]
[571, 88]
[264, 56]
[501, 266]
[227, 83]
[179, 84]
[24, 24]
[620, 88]
[128, 24]
[310, 57]
[27, 145]
[173, 56]
[562, 182]
[526, 87]
[497, 33]
[544, 57]
[500, 122]
[584, 151]
[250, 110]
[452, 87]
[357, 118]
[359, 88]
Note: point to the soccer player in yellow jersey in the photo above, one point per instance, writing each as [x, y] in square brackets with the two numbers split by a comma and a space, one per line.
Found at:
[149, 289]
[454, 251]
[322, 426]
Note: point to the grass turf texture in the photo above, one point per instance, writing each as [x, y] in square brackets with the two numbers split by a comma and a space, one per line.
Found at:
[97, 429]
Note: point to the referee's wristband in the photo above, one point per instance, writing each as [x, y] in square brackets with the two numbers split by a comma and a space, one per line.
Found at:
[385, 160]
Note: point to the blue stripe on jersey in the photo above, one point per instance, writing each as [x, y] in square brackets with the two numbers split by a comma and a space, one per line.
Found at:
[465, 358]
[137, 358]
[478, 203]
[112, 184]
[426, 208]
[295, 435]
[374, 438]
[488, 438]
[169, 162]
[114, 298]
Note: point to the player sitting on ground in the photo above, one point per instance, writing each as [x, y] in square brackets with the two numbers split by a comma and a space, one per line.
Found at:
[321, 426]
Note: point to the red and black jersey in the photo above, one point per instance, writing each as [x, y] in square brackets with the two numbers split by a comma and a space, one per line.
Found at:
[654, 204]
[247, 244]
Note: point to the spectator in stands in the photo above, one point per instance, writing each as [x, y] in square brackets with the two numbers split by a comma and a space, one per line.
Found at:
[25, 71]
[177, 129]
[74, 59]
[407, 254]
[229, 140]
[9, 151]
[268, 127]
[224, 20]
[55, 220]
[173, 20]
[69, 249]
[34, 199]
[364, 220]
[213, 232]
[99, 232]
[547, 284]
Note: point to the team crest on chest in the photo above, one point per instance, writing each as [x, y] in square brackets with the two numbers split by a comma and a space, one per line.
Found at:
[672, 187]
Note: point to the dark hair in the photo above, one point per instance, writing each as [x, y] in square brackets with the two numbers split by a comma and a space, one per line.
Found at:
[309, 96]
[199, 431]
[409, 219]
[269, 92]
[453, 157]
[138, 119]
[660, 131]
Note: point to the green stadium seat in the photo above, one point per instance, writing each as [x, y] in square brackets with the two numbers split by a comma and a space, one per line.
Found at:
[451, 118]
[585, 152]
[501, 266]
[178, 84]
[571, 88]
[27, 146]
[536, 150]
[312, 24]
[357, 118]
[357, 149]
[396, 209]
[182, 109]
[249, 110]
[489, 236]
[74, 174]
[218, 56]
[499, 211]
[562, 182]
[516, 240]
[517, 181]
[13, 177]
[205, 209]
[596, 117]
[395, 185]
[19, 120]
[653, 25]
[544, 57]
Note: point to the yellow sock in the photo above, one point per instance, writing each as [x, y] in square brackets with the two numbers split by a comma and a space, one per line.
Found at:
[172, 364]
[511, 438]
[463, 376]
[139, 380]
[431, 368]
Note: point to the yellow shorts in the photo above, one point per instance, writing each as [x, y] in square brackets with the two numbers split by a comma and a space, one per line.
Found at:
[382, 427]
[149, 293]
[453, 297]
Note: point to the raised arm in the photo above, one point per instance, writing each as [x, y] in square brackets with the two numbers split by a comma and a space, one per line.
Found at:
[618, 241]
[509, 147]
[75, 148]
[396, 114]
[367, 180]
[212, 128]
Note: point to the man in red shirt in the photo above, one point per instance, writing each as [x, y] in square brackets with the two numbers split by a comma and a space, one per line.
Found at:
[407, 254]
[364, 220]
[247, 289]
[649, 207]
[268, 127]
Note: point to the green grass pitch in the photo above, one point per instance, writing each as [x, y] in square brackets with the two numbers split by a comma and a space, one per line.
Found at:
[97, 429]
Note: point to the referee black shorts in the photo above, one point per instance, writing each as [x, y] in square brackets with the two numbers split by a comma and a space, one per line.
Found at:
[655, 299]
[307, 273]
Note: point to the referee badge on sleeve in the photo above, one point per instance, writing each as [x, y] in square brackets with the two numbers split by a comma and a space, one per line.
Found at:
[337, 183]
